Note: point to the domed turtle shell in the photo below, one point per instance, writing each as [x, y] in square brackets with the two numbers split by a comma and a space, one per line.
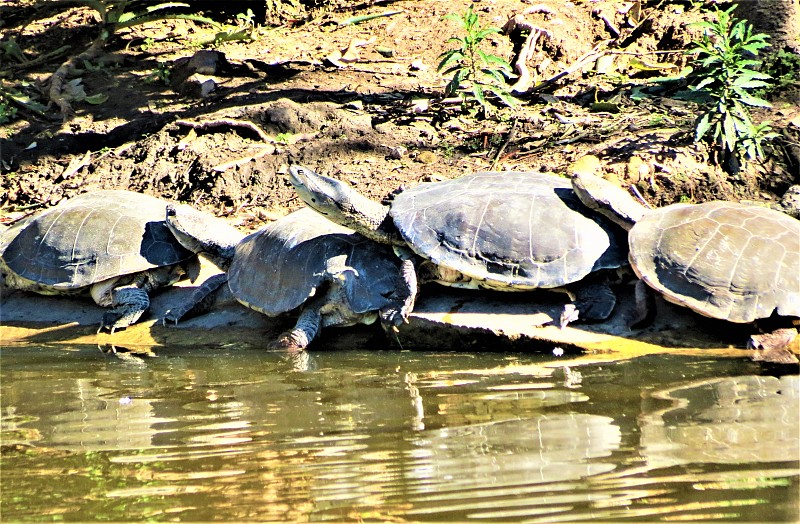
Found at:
[520, 230]
[279, 267]
[90, 238]
[725, 260]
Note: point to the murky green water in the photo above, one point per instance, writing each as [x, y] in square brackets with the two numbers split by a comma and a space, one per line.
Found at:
[215, 434]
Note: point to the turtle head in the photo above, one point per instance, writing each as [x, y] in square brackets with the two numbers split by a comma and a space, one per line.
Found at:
[344, 205]
[608, 199]
[203, 233]
[327, 196]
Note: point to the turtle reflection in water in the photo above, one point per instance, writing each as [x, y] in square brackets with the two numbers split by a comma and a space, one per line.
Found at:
[508, 231]
[724, 260]
[113, 244]
[302, 261]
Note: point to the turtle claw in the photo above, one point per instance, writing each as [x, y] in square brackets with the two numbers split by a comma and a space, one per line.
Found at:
[114, 320]
[569, 314]
[169, 319]
[289, 341]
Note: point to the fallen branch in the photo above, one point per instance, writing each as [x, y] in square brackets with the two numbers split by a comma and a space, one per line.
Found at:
[67, 68]
[265, 150]
[599, 50]
[39, 59]
[515, 28]
[509, 138]
[75, 165]
[228, 122]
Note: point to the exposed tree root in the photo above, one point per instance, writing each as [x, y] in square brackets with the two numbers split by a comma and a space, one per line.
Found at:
[66, 69]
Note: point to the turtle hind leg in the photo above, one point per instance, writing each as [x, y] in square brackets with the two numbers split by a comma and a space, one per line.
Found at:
[645, 305]
[202, 300]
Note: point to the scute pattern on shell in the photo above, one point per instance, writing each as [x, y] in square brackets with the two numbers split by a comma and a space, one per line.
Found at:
[90, 238]
[277, 268]
[724, 260]
[521, 230]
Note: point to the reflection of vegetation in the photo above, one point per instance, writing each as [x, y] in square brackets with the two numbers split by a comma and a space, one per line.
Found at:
[727, 76]
[469, 64]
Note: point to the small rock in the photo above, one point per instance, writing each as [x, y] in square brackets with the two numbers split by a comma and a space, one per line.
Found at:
[197, 86]
[427, 157]
[586, 165]
[355, 104]
[418, 65]
[393, 152]
[420, 105]
[637, 170]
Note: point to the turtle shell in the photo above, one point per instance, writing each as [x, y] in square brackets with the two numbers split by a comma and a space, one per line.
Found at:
[90, 238]
[725, 260]
[277, 268]
[519, 230]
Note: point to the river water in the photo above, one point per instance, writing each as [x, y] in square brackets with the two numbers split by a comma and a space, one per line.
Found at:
[240, 434]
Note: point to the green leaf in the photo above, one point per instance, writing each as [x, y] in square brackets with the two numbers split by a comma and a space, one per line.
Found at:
[702, 126]
[503, 95]
[166, 5]
[477, 91]
[753, 100]
[486, 32]
[494, 60]
[450, 57]
[99, 98]
[729, 132]
[494, 76]
[705, 82]
[455, 83]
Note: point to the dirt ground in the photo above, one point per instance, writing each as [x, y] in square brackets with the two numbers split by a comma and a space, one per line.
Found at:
[375, 117]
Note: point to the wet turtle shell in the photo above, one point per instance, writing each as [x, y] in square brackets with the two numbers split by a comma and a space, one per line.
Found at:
[725, 260]
[508, 230]
[88, 239]
[279, 267]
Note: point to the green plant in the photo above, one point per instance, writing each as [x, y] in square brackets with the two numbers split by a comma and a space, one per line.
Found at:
[784, 67]
[7, 111]
[283, 138]
[468, 63]
[159, 75]
[727, 77]
[119, 14]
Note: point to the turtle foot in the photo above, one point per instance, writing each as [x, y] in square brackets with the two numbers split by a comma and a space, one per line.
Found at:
[773, 347]
[290, 341]
[114, 320]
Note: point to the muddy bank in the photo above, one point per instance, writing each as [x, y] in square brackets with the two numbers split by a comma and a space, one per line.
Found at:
[443, 319]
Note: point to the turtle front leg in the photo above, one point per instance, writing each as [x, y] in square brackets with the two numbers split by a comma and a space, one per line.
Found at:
[592, 303]
[774, 346]
[300, 336]
[402, 301]
[129, 303]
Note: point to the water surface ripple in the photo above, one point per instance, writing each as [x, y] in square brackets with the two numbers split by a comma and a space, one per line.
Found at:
[226, 434]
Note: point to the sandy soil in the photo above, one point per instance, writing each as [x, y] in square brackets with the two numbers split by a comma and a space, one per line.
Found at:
[377, 121]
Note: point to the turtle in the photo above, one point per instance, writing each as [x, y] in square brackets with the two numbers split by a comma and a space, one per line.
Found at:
[725, 260]
[334, 276]
[503, 230]
[112, 243]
